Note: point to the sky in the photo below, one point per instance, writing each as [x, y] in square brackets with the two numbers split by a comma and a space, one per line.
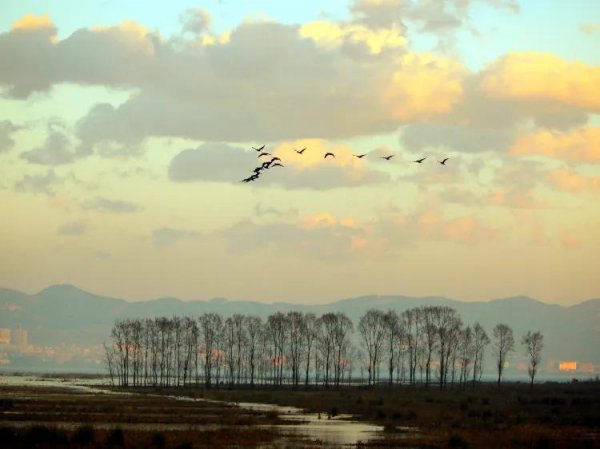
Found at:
[127, 127]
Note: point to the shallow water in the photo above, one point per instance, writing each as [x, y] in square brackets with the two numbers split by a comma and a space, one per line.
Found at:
[340, 430]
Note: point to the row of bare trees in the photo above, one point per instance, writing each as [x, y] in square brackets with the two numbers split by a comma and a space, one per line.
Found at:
[424, 344]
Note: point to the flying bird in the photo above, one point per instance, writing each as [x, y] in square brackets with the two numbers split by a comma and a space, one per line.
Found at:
[300, 151]
[275, 159]
[250, 178]
[360, 156]
[277, 164]
[328, 154]
[420, 161]
[259, 149]
[264, 154]
[387, 158]
[257, 169]
[444, 161]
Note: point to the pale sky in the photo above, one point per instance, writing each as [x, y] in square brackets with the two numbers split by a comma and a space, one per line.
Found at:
[125, 130]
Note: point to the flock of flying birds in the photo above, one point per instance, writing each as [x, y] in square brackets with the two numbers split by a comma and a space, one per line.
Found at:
[276, 162]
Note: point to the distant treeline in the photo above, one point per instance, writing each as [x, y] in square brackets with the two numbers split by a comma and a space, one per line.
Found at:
[424, 344]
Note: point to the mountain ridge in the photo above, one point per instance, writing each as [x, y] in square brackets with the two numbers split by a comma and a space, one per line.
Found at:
[63, 315]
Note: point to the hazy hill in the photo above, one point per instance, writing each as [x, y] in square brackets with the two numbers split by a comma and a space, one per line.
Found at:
[67, 314]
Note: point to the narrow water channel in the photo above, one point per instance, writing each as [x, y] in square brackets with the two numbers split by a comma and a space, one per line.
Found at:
[341, 430]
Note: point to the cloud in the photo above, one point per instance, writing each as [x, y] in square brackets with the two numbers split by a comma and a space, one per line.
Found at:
[309, 236]
[38, 183]
[225, 163]
[56, 150]
[324, 235]
[266, 82]
[73, 228]
[571, 181]
[102, 255]
[580, 145]
[262, 211]
[466, 139]
[196, 21]
[570, 241]
[111, 206]
[212, 162]
[426, 15]
[31, 22]
[545, 78]
[589, 28]
[168, 236]
[331, 35]
[7, 128]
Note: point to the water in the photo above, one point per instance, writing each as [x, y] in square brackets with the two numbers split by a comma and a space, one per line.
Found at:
[340, 430]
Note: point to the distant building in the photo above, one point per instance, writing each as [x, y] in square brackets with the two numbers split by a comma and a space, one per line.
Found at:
[4, 336]
[19, 337]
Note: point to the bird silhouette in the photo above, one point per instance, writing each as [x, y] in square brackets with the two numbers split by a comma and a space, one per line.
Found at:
[420, 161]
[360, 156]
[277, 164]
[444, 161]
[300, 151]
[275, 159]
[259, 149]
[328, 154]
[250, 178]
[387, 158]
[264, 154]
[257, 169]
[265, 165]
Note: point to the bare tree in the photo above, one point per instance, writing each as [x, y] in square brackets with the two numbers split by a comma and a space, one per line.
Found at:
[504, 342]
[429, 337]
[295, 326]
[534, 343]
[410, 324]
[253, 326]
[372, 330]
[341, 339]
[310, 333]
[480, 341]
[392, 334]
[210, 326]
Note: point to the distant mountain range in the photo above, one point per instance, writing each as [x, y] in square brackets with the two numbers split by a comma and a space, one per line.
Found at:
[64, 314]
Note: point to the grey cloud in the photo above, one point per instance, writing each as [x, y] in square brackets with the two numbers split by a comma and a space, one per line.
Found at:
[224, 163]
[38, 183]
[422, 136]
[247, 236]
[102, 255]
[7, 128]
[262, 211]
[195, 21]
[266, 83]
[111, 206]
[168, 236]
[73, 228]
[56, 150]
[437, 16]
[321, 177]
[212, 162]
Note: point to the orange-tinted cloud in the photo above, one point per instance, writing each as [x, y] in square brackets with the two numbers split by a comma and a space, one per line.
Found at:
[333, 35]
[569, 241]
[581, 145]
[424, 86]
[543, 77]
[31, 22]
[571, 181]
